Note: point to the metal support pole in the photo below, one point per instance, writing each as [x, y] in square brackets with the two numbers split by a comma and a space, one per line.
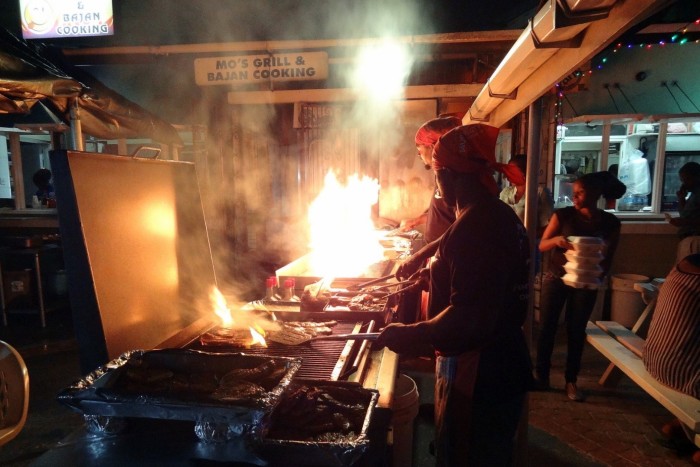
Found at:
[531, 218]
[76, 131]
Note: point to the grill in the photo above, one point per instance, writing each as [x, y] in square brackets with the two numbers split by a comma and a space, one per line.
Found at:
[321, 360]
[148, 289]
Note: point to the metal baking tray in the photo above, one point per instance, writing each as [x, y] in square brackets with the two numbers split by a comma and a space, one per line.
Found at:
[308, 448]
[110, 391]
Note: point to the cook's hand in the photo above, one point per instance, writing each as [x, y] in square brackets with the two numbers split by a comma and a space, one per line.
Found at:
[401, 338]
[409, 267]
[407, 224]
[422, 278]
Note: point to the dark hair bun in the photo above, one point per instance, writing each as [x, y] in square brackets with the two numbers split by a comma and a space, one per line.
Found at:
[607, 184]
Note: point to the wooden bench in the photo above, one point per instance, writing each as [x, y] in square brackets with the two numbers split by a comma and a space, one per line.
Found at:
[624, 352]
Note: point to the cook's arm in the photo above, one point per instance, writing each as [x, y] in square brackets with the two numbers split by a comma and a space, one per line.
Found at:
[408, 224]
[417, 260]
[478, 288]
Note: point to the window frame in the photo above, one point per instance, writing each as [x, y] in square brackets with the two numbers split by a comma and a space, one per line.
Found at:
[657, 176]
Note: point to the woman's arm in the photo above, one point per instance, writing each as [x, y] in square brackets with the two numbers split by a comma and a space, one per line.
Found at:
[552, 238]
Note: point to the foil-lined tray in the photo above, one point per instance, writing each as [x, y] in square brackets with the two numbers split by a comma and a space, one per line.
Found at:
[233, 390]
[319, 423]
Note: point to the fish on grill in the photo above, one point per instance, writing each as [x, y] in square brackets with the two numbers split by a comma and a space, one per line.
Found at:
[291, 331]
[365, 302]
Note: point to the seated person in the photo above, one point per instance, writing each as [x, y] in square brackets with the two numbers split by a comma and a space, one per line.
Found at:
[672, 349]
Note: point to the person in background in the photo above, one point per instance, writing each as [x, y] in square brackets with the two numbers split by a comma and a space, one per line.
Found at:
[671, 351]
[438, 216]
[611, 202]
[688, 220]
[478, 305]
[514, 194]
[44, 189]
[584, 218]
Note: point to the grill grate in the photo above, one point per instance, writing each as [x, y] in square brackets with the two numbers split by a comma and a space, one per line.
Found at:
[318, 358]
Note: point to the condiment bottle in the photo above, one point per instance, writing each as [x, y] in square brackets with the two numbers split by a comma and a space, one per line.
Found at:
[288, 292]
[270, 285]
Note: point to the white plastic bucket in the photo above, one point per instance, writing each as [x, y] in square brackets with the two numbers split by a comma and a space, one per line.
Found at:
[626, 305]
[404, 410]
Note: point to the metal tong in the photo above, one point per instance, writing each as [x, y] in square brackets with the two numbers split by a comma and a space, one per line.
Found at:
[356, 287]
[395, 284]
[414, 284]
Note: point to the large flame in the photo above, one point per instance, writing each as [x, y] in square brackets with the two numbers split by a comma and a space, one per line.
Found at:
[221, 308]
[343, 239]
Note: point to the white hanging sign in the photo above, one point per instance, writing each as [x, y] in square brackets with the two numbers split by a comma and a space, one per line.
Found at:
[43, 19]
[249, 69]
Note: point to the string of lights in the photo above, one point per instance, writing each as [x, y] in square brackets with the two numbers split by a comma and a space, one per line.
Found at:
[680, 37]
[687, 34]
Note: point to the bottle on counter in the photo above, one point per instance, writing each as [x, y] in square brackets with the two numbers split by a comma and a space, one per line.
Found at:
[289, 292]
[271, 289]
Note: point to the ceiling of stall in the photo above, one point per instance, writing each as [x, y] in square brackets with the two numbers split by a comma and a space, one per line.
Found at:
[549, 49]
[169, 22]
[144, 61]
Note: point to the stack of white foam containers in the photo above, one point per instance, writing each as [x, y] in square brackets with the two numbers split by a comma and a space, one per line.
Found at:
[582, 268]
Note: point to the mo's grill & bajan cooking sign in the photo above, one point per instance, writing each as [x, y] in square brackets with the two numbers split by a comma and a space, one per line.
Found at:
[250, 69]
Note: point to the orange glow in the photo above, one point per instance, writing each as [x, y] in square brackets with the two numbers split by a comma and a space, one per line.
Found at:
[158, 219]
[343, 239]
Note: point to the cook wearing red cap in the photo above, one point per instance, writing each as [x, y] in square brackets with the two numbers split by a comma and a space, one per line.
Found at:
[437, 217]
[472, 149]
[429, 133]
[478, 305]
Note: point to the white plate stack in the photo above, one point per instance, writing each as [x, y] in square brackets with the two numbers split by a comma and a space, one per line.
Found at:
[583, 262]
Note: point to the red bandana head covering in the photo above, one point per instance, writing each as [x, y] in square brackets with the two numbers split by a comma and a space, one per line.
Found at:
[430, 131]
[470, 149]
[513, 173]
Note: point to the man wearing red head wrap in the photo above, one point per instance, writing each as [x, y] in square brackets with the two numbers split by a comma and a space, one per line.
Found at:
[472, 149]
[432, 130]
[438, 216]
[478, 305]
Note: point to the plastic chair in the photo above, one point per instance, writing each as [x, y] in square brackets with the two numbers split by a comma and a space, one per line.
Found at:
[14, 393]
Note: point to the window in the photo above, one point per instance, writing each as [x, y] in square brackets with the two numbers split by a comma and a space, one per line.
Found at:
[644, 154]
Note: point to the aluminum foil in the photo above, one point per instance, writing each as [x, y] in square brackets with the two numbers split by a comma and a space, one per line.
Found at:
[109, 391]
[290, 439]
